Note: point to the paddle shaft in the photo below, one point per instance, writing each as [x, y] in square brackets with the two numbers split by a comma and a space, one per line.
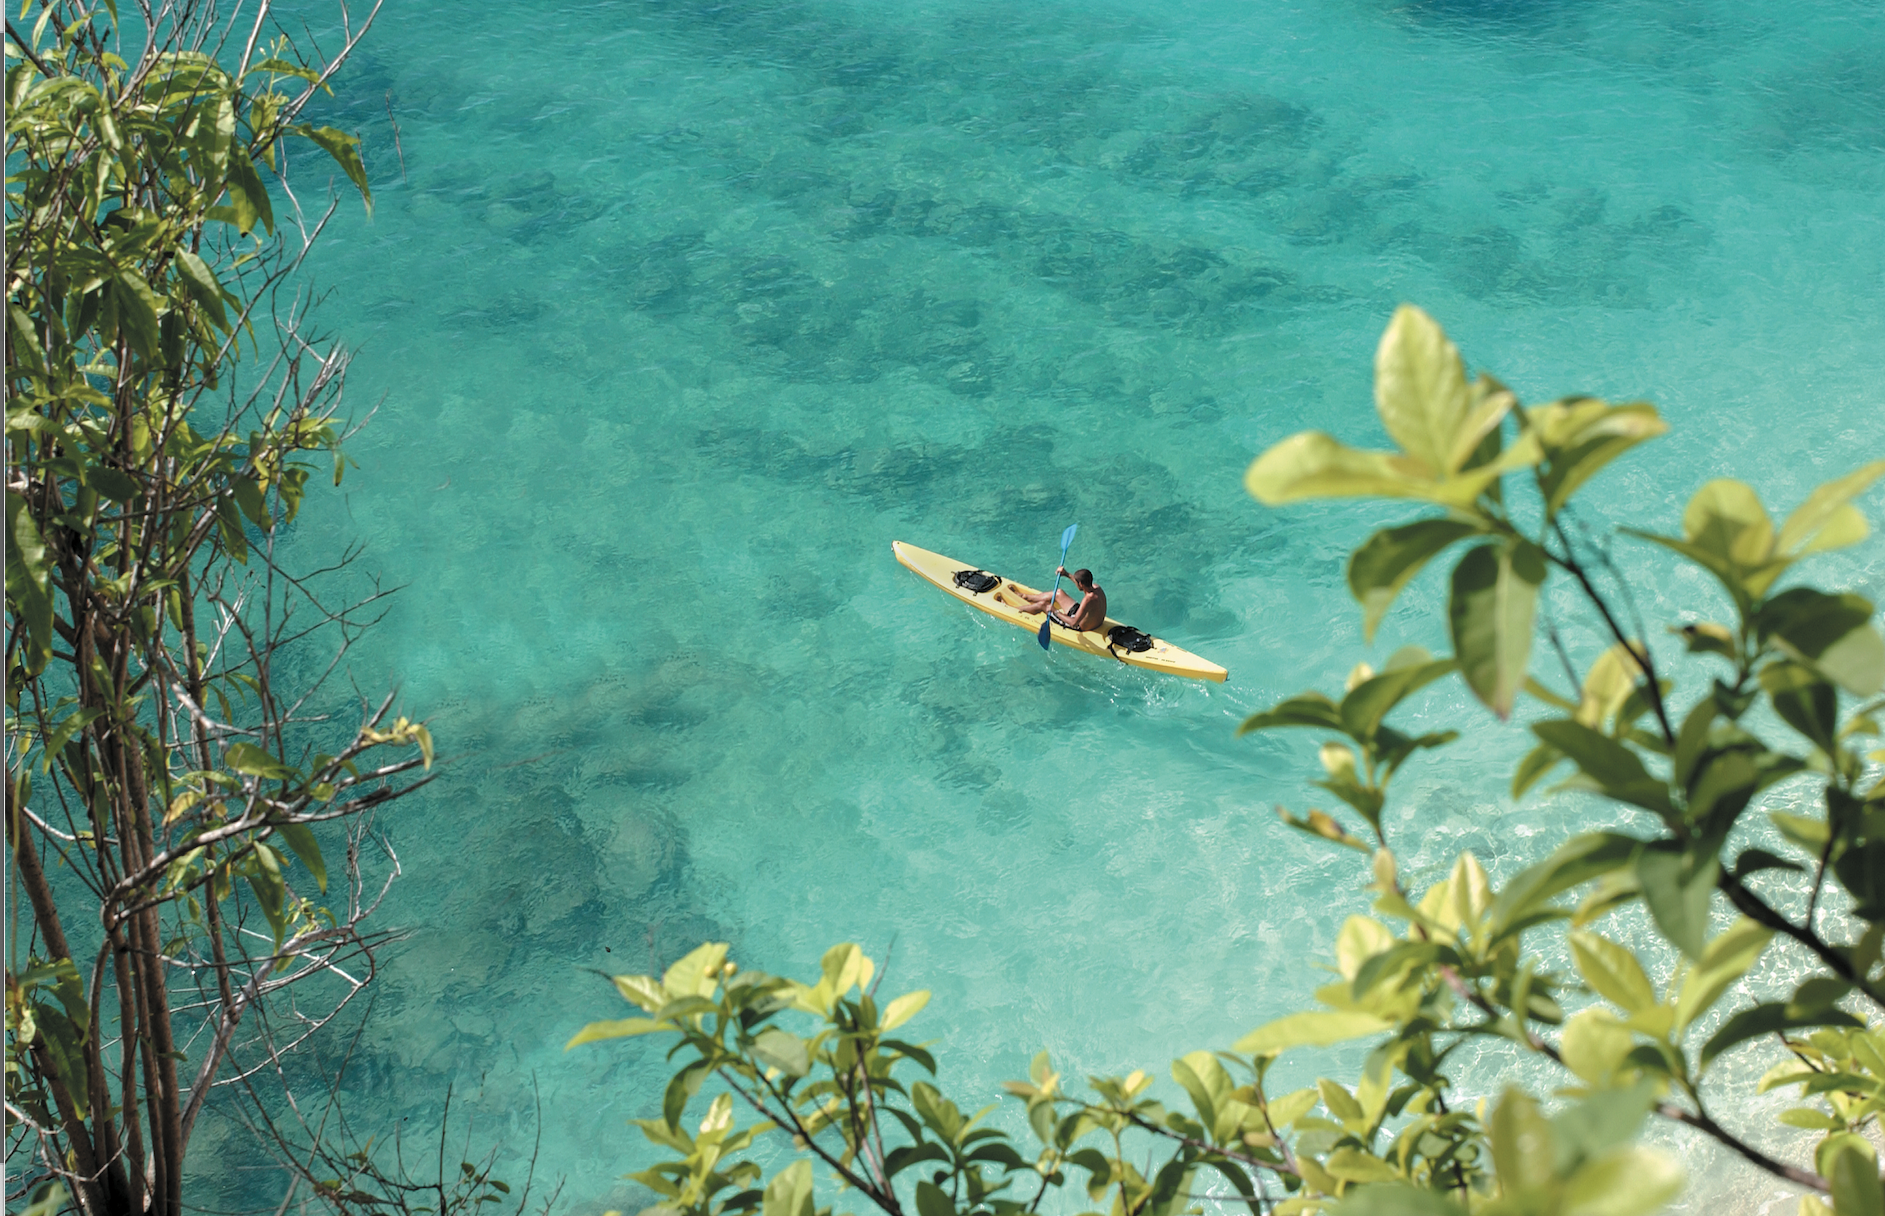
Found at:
[1046, 635]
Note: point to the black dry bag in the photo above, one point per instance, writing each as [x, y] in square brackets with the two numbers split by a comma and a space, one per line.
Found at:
[977, 581]
[1128, 639]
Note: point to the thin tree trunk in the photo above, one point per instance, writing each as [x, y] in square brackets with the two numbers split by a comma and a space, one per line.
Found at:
[46, 918]
[128, 1039]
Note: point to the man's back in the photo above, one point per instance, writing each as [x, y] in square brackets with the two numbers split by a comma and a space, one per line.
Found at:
[1092, 613]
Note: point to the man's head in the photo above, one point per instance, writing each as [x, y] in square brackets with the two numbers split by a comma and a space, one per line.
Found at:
[1083, 578]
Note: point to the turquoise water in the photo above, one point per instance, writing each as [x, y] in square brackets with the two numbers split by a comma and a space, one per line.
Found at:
[679, 313]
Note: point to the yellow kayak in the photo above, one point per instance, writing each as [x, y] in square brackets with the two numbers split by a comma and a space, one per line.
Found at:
[1003, 601]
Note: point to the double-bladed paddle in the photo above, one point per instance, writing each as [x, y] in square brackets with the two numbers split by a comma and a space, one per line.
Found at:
[1047, 619]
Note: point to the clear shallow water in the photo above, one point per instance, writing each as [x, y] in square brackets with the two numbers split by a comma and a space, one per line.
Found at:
[681, 312]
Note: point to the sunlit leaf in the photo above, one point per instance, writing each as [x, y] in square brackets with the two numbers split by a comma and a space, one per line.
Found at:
[1580, 435]
[1420, 391]
[790, 1193]
[1827, 520]
[1726, 517]
[1314, 465]
[618, 1029]
[1725, 960]
[903, 1009]
[1309, 1029]
[1612, 971]
[1624, 1182]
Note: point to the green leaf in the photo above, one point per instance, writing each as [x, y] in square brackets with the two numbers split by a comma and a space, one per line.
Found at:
[1394, 1199]
[1594, 1045]
[1369, 702]
[1612, 971]
[1617, 770]
[1676, 888]
[931, 1200]
[1311, 464]
[1809, 834]
[1393, 748]
[345, 149]
[250, 759]
[29, 578]
[1725, 517]
[790, 1193]
[696, 973]
[118, 487]
[1828, 510]
[1745, 585]
[682, 1086]
[1707, 637]
[1305, 709]
[249, 496]
[65, 1042]
[1340, 1102]
[1397, 959]
[1804, 701]
[283, 67]
[1753, 861]
[1608, 684]
[1601, 1123]
[1420, 391]
[200, 283]
[900, 1159]
[1807, 1117]
[1537, 762]
[1580, 435]
[270, 891]
[1576, 861]
[1309, 1029]
[1627, 1181]
[1208, 1085]
[248, 198]
[302, 841]
[1726, 960]
[1852, 1172]
[1290, 1107]
[1355, 1166]
[138, 308]
[1771, 1017]
[1727, 782]
[783, 1050]
[1831, 632]
[1495, 593]
[1391, 558]
[903, 1009]
[62, 976]
[1523, 1144]
[620, 1028]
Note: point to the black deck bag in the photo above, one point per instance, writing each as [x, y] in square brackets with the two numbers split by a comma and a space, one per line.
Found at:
[1128, 639]
[977, 581]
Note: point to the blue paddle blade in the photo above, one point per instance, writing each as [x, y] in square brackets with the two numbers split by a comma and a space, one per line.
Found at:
[1046, 635]
[1066, 538]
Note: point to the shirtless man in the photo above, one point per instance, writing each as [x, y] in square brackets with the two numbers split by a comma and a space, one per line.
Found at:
[1086, 613]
